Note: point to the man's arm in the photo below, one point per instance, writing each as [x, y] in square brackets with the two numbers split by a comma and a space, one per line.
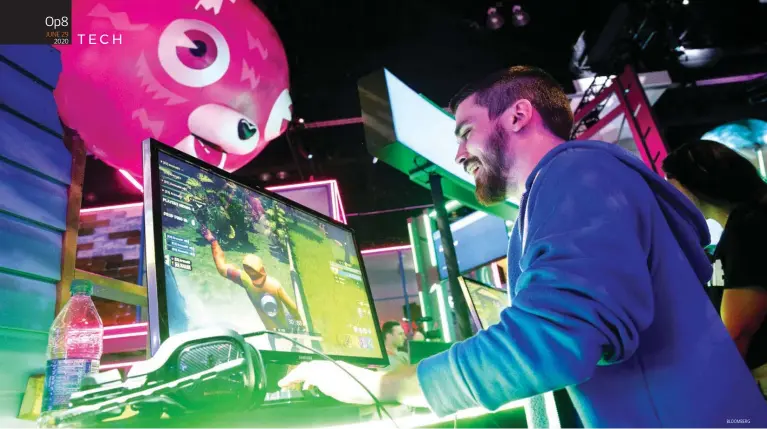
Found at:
[582, 299]
[401, 385]
[744, 303]
[743, 312]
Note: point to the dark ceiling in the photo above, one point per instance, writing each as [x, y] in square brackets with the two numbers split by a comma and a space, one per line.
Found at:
[436, 46]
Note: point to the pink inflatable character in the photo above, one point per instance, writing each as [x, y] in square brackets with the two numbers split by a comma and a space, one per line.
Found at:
[208, 77]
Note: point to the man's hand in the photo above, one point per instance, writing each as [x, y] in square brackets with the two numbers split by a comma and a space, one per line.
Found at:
[334, 382]
[400, 385]
[206, 234]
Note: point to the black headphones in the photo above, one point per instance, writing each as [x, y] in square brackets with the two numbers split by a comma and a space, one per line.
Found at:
[243, 387]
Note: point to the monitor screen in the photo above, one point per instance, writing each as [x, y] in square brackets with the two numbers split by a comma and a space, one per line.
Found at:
[233, 256]
[478, 239]
[485, 302]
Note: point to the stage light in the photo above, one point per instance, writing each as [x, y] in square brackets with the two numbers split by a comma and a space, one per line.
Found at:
[494, 19]
[309, 156]
[282, 175]
[131, 180]
[375, 160]
[520, 18]
[387, 249]
[685, 2]
[107, 208]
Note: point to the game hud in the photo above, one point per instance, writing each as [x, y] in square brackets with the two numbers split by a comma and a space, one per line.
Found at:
[239, 259]
[487, 302]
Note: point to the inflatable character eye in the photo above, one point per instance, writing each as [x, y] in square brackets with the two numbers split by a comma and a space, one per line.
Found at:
[193, 53]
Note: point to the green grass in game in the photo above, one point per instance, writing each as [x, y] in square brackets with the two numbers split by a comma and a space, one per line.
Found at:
[333, 306]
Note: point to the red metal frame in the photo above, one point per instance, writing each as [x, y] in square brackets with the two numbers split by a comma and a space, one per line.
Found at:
[633, 103]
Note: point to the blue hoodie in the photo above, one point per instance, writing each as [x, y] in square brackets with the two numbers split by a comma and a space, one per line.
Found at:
[606, 274]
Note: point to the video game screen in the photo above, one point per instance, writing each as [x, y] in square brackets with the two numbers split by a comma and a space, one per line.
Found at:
[485, 302]
[478, 239]
[240, 259]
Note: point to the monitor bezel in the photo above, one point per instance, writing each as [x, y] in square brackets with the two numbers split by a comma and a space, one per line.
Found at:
[158, 309]
[462, 280]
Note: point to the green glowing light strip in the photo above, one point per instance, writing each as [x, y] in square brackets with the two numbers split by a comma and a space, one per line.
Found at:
[423, 309]
[430, 419]
[443, 316]
[413, 249]
[430, 240]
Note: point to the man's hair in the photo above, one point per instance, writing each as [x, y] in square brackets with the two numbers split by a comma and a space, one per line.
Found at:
[500, 90]
[715, 174]
[388, 327]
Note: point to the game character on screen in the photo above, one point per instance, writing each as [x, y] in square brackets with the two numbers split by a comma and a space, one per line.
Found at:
[265, 292]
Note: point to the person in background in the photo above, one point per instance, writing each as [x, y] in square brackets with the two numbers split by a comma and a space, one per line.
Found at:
[394, 340]
[606, 273]
[727, 188]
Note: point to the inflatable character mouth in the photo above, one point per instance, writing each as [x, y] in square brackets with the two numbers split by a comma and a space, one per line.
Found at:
[208, 151]
[217, 132]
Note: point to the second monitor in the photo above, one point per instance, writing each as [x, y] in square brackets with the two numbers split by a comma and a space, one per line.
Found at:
[485, 303]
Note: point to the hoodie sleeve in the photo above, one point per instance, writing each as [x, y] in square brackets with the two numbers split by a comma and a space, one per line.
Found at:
[582, 298]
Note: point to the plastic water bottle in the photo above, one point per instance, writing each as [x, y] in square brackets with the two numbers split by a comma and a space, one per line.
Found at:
[75, 345]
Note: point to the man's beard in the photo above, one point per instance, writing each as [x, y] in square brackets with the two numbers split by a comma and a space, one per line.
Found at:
[492, 180]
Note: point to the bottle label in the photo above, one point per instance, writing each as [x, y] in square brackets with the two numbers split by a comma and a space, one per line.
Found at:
[63, 377]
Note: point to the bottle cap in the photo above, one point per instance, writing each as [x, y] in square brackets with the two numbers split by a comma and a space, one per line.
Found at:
[80, 286]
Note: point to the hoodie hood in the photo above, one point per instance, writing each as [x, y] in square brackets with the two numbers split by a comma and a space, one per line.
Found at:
[684, 219]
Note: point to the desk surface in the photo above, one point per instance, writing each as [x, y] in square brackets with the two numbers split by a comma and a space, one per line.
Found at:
[327, 414]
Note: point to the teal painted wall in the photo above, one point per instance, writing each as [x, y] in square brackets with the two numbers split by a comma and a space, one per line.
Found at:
[34, 176]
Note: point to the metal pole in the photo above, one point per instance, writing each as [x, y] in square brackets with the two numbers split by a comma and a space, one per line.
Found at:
[404, 288]
[443, 223]
[293, 154]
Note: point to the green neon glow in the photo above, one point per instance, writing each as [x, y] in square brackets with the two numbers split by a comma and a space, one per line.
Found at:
[416, 420]
[423, 309]
[430, 240]
[552, 415]
[412, 247]
[760, 157]
[446, 337]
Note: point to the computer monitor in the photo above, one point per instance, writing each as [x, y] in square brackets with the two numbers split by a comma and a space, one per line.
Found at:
[485, 302]
[478, 239]
[223, 253]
